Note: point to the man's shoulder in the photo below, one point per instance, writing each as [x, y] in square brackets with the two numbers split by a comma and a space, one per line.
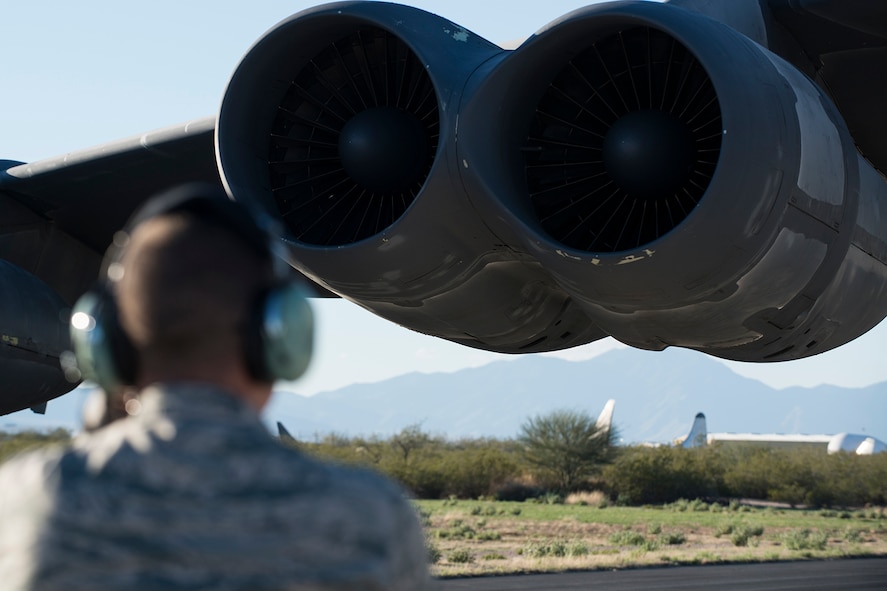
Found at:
[30, 471]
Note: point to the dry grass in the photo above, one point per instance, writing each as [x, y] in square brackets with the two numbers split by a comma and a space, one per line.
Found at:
[501, 542]
[592, 499]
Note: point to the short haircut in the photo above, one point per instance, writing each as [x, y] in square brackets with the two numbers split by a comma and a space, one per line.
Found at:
[188, 289]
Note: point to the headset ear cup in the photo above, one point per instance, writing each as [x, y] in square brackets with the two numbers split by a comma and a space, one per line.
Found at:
[104, 353]
[286, 333]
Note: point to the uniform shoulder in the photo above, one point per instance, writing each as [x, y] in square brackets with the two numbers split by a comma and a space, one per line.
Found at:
[352, 489]
[29, 478]
[343, 478]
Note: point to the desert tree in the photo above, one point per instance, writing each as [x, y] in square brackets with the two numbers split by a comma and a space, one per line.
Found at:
[566, 447]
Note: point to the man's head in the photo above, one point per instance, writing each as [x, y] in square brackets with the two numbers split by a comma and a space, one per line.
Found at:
[193, 292]
[186, 295]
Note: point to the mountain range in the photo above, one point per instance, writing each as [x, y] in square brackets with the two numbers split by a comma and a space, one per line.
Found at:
[657, 395]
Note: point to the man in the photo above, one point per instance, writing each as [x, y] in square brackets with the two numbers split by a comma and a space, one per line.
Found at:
[189, 491]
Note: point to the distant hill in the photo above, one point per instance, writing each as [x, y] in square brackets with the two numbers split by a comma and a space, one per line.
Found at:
[657, 395]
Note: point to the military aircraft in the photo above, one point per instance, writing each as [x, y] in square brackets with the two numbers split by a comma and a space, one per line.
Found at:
[860, 444]
[698, 173]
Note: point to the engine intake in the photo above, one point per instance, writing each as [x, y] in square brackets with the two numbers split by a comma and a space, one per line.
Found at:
[353, 139]
[624, 143]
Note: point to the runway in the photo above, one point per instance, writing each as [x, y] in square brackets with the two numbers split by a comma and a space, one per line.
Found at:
[859, 574]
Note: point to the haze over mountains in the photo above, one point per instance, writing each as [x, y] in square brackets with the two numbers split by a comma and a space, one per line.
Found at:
[657, 395]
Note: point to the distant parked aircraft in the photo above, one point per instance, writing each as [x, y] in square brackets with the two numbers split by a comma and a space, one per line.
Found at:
[605, 419]
[848, 442]
[283, 433]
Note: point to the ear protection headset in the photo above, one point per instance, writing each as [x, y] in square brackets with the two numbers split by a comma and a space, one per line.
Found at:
[279, 332]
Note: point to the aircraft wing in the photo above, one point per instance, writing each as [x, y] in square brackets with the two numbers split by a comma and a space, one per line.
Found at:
[89, 194]
[57, 217]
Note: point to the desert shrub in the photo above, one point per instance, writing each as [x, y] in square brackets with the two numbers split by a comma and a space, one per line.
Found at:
[672, 539]
[806, 476]
[740, 537]
[723, 529]
[424, 517]
[551, 498]
[457, 531]
[804, 539]
[564, 448]
[432, 552]
[461, 556]
[642, 475]
[741, 534]
[553, 548]
[853, 535]
[516, 491]
[475, 468]
[627, 538]
[431, 466]
[661, 475]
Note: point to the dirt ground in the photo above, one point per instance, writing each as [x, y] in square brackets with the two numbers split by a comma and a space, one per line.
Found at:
[491, 539]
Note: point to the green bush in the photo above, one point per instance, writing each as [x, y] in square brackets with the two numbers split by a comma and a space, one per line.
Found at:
[431, 466]
[805, 539]
[740, 537]
[672, 539]
[461, 556]
[627, 538]
[554, 548]
[853, 535]
[432, 552]
[805, 476]
[741, 534]
[516, 491]
[641, 475]
[660, 475]
[565, 448]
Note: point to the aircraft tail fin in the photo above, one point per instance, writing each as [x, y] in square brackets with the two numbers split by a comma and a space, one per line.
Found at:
[698, 435]
[283, 433]
[605, 419]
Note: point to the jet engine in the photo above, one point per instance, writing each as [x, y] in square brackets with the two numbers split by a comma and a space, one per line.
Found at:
[343, 122]
[636, 170]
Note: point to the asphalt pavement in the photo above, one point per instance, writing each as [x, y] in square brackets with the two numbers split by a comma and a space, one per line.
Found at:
[858, 574]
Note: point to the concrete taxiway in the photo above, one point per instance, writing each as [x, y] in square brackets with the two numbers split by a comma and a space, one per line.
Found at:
[861, 574]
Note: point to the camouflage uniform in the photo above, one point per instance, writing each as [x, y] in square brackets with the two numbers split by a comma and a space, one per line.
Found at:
[193, 493]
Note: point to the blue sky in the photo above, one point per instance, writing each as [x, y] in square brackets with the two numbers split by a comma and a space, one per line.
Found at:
[77, 74]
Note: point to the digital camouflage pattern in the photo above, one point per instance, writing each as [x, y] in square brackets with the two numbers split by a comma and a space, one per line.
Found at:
[193, 493]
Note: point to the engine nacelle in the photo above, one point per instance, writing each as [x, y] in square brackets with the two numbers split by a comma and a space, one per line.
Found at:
[342, 121]
[684, 184]
[634, 169]
[33, 335]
